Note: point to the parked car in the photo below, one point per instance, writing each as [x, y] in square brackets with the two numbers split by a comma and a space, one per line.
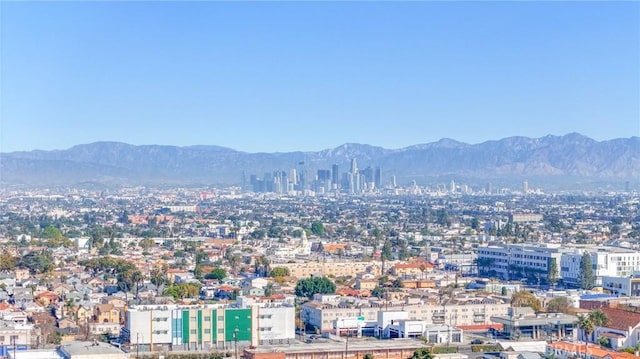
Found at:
[477, 341]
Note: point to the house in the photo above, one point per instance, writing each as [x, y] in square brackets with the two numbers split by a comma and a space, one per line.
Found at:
[83, 314]
[96, 283]
[366, 284]
[253, 291]
[115, 301]
[47, 298]
[62, 289]
[258, 282]
[623, 329]
[106, 313]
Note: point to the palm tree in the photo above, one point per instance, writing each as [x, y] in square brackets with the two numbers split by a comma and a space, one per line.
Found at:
[159, 276]
[268, 289]
[598, 318]
[586, 326]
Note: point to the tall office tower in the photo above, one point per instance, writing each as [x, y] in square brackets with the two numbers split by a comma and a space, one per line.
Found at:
[378, 177]
[293, 176]
[324, 175]
[453, 187]
[394, 184]
[525, 187]
[335, 176]
[354, 166]
[367, 173]
[352, 182]
[489, 188]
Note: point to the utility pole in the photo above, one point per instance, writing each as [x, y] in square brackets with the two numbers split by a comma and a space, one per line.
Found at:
[346, 344]
[137, 345]
[235, 339]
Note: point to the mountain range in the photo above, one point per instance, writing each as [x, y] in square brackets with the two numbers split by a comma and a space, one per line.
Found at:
[567, 159]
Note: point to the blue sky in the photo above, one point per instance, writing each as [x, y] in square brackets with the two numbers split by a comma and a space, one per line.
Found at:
[281, 76]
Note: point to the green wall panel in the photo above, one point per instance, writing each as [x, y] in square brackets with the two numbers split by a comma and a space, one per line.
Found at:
[185, 326]
[240, 320]
[199, 326]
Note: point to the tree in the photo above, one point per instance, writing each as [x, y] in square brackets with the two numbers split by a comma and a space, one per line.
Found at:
[269, 289]
[51, 232]
[385, 254]
[280, 272]
[379, 292]
[559, 305]
[422, 353]
[586, 280]
[397, 283]
[586, 326]
[159, 277]
[317, 228]
[552, 274]
[598, 318]
[368, 356]
[475, 224]
[183, 290]
[309, 286]
[217, 273]
[130, 279]
[37, 262]
[261, 266]
[7, 261]
[525, 299]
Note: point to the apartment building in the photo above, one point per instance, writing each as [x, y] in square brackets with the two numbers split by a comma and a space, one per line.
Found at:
[476, 311]
[337, 269]
[198, 327]
[518, 261]
[622, 286]
[606, 262]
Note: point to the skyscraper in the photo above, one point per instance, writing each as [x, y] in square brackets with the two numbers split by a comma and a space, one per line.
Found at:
[378, 177]
[354, 166]
[335, 176]
[525, 187]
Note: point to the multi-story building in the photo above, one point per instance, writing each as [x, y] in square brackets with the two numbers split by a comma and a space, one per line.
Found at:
[518, 261]
[193, 327]
[17, 334]
[472, 312]
[337, 269]
[622, 286]
[606, 262]
[530, 261]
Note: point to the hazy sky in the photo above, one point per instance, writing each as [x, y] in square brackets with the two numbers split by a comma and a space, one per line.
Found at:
[280, 76]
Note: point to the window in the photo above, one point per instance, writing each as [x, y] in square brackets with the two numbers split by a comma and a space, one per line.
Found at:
[221, 317]
[193, 331]
[207, 331]
[221, 331]
[207, 319]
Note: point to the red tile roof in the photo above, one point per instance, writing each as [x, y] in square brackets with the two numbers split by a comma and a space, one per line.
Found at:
[621, 319]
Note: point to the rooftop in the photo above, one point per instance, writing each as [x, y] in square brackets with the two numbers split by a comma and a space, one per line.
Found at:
[86, 348]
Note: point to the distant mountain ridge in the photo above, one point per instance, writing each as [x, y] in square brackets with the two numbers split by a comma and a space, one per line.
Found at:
[115, 163]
